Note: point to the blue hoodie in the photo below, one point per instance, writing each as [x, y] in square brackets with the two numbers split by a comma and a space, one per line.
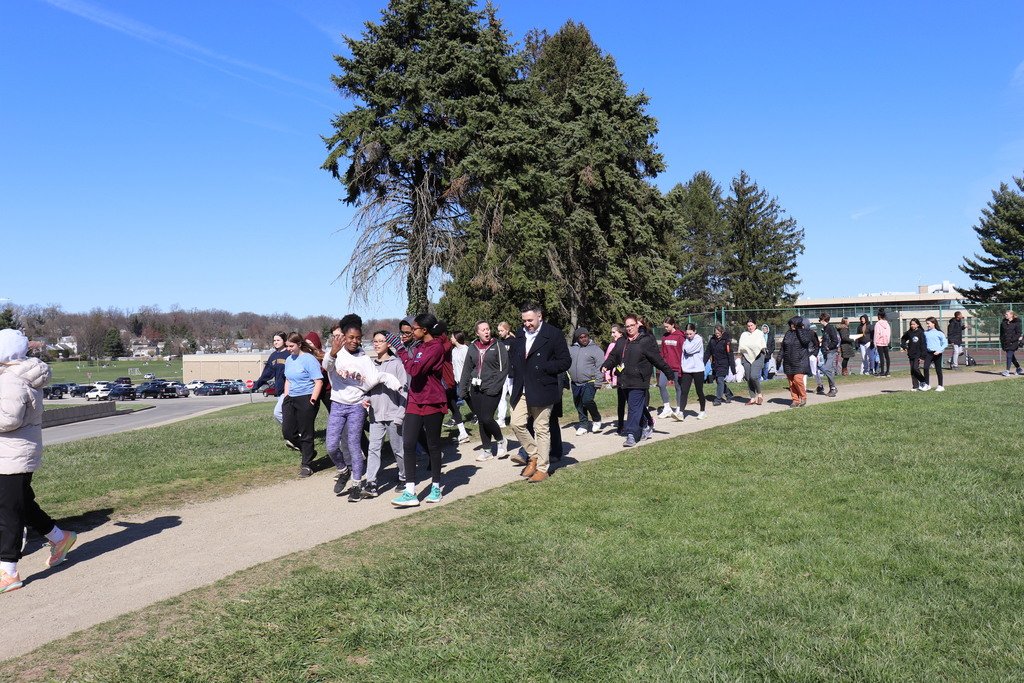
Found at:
[935, 340]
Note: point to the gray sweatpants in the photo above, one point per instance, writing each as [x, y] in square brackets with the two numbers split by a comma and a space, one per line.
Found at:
[378, 430]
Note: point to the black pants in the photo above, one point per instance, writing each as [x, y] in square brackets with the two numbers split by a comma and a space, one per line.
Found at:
[621, 408]
[484, 407]
[917, 377]
[697, 379]
[883, 360]
[18, 509]
[452, 394]
[846, 362]
[298, 425]
[929, 360]
[430, 427]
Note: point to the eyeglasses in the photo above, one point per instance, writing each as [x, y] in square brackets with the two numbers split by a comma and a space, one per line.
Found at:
[629, 327]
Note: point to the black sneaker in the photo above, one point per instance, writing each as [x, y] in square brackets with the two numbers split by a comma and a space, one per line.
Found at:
[355, 494]
[305, 472]
[821, 391]
[370, 489]
[833, 392]
[716, 403]
[340, 479]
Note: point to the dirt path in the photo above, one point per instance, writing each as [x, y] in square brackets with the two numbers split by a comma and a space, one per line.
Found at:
[127, 564]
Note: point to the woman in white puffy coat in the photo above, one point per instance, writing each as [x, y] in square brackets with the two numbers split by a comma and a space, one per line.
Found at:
[21, 448]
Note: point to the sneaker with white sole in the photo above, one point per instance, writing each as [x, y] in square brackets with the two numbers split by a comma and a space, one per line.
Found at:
[646, 433]
[406, 500]
[666, 412]
[925, 387]
[1005, 373]
[678, 415]
[462, 438]
[59, 551]
[485, 456]
[596, 427]
[502, 451]
[580, 431]
[435, 494]
[630, 442]
[9, 583]
[940, 388]
[701, 415]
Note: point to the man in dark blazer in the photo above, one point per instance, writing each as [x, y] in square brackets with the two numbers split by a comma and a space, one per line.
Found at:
[538, 356]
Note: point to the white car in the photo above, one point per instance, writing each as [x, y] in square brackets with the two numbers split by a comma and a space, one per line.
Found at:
[149, 375]
[99, 393]
[195, 384]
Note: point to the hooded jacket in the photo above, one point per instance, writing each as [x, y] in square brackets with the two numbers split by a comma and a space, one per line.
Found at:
[882, 333]
[387, 404]
[796, 353]
[914, 343]
[672, 349]
[490, 363]
[638, 358]
[1009, 334]
[693, 355]
[274, 370]
[586, 360]
[21, 414]
[424, 366]
[719, 352]
[955, 331]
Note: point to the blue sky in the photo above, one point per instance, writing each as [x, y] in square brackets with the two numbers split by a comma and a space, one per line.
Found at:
[168, 154]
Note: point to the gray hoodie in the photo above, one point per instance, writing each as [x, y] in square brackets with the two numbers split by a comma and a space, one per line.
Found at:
[387, 405]
[586, 361]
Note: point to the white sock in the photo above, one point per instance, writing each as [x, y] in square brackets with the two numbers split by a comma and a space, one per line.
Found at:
[410, 488]
[462, 429]
[10, 567]
[55, 536]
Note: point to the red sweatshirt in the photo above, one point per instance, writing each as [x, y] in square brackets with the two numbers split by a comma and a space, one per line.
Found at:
[672, 349]
[426, 392]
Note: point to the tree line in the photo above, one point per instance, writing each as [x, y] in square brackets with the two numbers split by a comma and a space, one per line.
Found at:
[109, 332]
[525, 171]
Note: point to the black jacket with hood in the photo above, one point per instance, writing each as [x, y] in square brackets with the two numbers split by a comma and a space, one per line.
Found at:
[638, 358]
[796, 349]
[489, 363]
[914, 343]
[719, 352]
[1009, 334]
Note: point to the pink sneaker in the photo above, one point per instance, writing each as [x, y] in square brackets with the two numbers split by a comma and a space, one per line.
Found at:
[59, 551]
[9, 583]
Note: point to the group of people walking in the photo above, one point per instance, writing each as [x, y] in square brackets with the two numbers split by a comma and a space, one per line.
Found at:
[402, 389]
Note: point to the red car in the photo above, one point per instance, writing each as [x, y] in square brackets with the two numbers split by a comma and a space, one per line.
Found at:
[270, 390]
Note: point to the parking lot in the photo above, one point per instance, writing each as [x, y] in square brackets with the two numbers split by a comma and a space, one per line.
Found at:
[164, 410]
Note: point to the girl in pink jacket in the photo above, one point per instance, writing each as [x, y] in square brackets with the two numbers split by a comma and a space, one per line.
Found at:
[882, 334]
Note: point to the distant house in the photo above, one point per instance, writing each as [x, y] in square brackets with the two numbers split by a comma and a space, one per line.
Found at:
[243, 345]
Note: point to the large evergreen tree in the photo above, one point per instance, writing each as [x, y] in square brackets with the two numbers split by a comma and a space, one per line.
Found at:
[575, 223]
[763, 247]
[697, 245]
[429, 79]
[998, 274]
[8, 318]
[112, 344]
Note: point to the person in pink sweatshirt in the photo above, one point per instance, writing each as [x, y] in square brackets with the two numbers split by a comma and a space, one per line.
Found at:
[881, 339]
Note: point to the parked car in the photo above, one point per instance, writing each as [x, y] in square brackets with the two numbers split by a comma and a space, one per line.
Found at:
[270, 390]
[182, 390]
[121, 392]
[195, 384]
[53, 391]
[149, 390]
[99, 393]
[123, 380]
[211, 389]
[149, 375]
[170, 391]
[81, 390]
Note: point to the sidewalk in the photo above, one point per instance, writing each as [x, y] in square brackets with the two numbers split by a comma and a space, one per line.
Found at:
[126, 564]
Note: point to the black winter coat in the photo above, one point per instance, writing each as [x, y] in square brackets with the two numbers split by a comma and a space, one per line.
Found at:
[847, 349]
[1009, 334]
[914, 343]
[796, 358]
[638, 358]
[719, 352]
[492, 372]
[955, 332]
[537, 374]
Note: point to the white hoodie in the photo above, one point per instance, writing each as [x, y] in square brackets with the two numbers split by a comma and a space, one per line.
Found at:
[345, 389]
[21, 414]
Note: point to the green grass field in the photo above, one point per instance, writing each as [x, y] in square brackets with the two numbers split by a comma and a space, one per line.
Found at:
[82, 373]
[872, 539]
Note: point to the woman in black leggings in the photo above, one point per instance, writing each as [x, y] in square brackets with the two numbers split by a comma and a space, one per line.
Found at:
[483, 376]
[692, 364]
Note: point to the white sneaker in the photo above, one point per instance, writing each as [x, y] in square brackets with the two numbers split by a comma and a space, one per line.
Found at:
[502, 450]
[1005, 373]
[940, 388]
[925, 387]
[666, 412]
[596, 427]
[484, 457]
[580, 431]
[701, 415]
[463, 438]
[678, 415]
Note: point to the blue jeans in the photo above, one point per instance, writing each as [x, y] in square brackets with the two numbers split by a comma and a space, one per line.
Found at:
[583, 398]
[1011, 358]
[663, 389]
[636, 400]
